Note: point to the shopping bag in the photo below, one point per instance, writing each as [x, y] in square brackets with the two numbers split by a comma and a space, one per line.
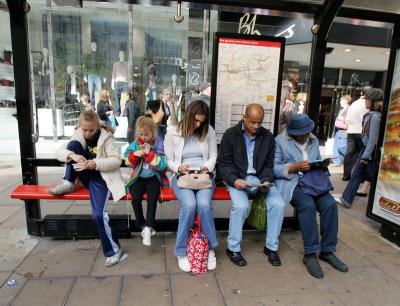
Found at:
[258, 212]
[197, 249]
[329, 147]
[113, 121]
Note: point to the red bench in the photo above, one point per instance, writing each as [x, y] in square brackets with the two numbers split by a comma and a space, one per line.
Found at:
[38, 192]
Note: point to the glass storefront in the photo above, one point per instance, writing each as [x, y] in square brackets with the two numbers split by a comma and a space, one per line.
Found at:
[76, 52]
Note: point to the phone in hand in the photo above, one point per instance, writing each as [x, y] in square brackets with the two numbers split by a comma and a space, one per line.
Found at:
[78, 166]
[320, 163]
[265, 184]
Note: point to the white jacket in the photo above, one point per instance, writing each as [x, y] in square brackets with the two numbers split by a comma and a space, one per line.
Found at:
[108, 160]
[174, 143]
[355, 114]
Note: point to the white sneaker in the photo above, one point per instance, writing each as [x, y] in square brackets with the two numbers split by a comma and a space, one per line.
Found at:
[183, 263]
[212, 260]
[113, 260]
[62, 189]
[153, 231]
[146, 234]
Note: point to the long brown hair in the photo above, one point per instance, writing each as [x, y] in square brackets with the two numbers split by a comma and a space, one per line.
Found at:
[91, 116]
[186, 125]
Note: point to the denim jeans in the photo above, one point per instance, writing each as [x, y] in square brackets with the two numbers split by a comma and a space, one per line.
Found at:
[240, 211]
[307, 207]
[360, 172]
[192, 201]
[93, 80]
[339, 149]
[120, 87]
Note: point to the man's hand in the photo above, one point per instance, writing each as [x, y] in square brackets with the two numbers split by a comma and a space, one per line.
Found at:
[183, 168]
[241, 184]
[264, 188]
[300, 166]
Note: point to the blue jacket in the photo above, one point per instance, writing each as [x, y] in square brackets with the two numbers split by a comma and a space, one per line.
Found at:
[287, 152]
[370, 133]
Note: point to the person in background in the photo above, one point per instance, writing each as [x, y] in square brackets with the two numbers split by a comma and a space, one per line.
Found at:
[295, 148]
[104, 109]
[286, 107]
[92, 157]
[340, 143]
[353, 120]
[191, 145]
[146, 157]
[85, 104]
[132, 111]
[369, 136]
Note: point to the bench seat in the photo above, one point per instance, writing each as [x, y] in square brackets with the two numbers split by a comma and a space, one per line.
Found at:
[40, 192]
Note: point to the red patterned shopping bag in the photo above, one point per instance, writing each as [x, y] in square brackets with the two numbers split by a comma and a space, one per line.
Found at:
[197, 249]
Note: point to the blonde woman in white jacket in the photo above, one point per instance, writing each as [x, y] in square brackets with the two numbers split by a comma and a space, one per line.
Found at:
[192, 145]
[92, 157]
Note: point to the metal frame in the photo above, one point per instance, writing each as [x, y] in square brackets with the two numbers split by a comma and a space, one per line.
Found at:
[23, 86]
[389, 230]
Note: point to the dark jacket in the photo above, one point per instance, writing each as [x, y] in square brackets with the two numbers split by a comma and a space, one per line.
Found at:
[232, 155]
[154, 106]
[102, 108]
[132, 111]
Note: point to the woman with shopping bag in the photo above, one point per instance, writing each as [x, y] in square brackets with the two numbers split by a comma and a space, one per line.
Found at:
[192, 146]
[105, 110]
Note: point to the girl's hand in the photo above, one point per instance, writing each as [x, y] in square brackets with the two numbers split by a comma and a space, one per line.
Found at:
[139, 153]
[90, 164]
[146, 148]
[77, 158]
[183, 168]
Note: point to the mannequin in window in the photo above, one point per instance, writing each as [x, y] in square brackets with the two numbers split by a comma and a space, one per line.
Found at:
[71, 86]
[119, 80]
[94, 70]
[44, 78]
[151, 89]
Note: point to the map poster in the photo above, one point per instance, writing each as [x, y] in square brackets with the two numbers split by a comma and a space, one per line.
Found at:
[386, 202]
[246, 69]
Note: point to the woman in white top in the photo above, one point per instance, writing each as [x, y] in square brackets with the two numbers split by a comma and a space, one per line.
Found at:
[188, 146]
[340, 143]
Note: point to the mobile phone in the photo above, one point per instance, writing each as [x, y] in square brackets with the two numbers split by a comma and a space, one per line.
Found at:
[194, 168]
[77, 166]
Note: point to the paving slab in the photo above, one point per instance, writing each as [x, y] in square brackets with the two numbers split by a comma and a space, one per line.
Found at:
[60, 258]
[3, 277]
[49, 292]
[201, 289]
[141, 259]
[7, 211]
[319, 299]
[7, 293]
[368, 286]
[97, 291]
[390, 264]
[145, 290]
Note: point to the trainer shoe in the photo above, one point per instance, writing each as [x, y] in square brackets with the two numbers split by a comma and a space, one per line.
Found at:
[183, 263]
[113, 260]
[212, 260]
[62, 189]
[146, 234]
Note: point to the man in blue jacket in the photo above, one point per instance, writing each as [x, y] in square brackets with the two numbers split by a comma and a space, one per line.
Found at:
[245, 162]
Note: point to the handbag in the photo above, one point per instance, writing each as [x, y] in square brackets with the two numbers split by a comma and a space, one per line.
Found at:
[258, 212]
[195, 180]
[315, 182]
[113, 121]
[197, 249]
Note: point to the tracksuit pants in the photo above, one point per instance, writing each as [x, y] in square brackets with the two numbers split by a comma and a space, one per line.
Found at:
[99, 196]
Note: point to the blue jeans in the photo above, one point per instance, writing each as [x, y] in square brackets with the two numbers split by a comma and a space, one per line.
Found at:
[95, 80]
[240, 211]
[120, 87]
[339, 149]
[192, 201]
[360, 172]
[307, 207]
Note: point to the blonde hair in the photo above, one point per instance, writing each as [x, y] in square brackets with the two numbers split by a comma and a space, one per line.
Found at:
[145, 122]
[104, 94]
[91, 116]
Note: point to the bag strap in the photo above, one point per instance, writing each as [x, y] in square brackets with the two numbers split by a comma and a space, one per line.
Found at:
[197, 222]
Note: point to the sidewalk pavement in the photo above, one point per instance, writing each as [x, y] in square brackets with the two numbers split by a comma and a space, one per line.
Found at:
[66, 272]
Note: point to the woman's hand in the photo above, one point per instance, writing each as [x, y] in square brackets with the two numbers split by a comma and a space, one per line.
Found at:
[364, 161]
[77, 158]
[204, 170]
[109, 113]
[87, 165]
[300, 166]
[183, 168]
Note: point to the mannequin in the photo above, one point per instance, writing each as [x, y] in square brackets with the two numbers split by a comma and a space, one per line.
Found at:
[119, 80]
[94, 69]
[71, 86]
[44, 78]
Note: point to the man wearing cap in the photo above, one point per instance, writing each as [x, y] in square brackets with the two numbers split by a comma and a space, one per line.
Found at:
[245, 163]
[295, 148]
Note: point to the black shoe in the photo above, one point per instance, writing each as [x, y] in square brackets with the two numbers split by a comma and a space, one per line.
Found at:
[345, 178]
[273, 257]
[313, 267]
[236, 258]
[335, 262]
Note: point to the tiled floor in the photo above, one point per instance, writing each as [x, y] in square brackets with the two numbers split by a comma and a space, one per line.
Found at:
[66, 272]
